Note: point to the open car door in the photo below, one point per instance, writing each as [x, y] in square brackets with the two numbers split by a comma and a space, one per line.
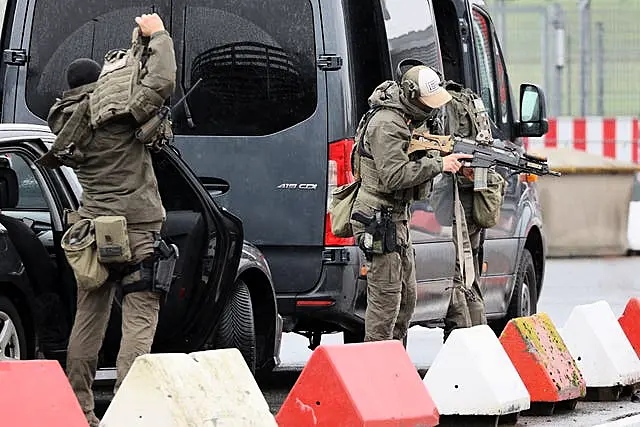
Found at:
[209, 241]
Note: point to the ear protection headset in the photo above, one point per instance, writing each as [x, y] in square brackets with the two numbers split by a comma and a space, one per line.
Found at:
[410, 88]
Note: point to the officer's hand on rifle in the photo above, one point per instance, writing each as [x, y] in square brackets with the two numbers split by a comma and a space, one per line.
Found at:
[149, 24]
[452, 163]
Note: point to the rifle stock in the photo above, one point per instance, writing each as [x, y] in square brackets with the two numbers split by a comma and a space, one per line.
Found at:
[484, 156]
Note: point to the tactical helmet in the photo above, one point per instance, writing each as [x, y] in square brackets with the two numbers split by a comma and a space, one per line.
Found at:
[421, 84]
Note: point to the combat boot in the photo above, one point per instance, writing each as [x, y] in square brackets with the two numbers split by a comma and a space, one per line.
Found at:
[92, 419]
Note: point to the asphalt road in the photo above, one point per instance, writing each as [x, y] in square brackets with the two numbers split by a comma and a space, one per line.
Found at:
[568, 282]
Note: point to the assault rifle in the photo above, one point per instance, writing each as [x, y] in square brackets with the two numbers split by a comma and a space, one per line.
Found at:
[145, 132]
[484, 156]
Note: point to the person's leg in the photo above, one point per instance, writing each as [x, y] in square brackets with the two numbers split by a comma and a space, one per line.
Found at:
[140, 306]
[384, 291]
[458, 312]
[408, 298]
[475, 299]
[89, 327]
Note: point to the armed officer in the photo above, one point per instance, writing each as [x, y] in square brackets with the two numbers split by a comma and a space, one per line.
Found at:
[466, 116]
[389, 182]
[121, 213]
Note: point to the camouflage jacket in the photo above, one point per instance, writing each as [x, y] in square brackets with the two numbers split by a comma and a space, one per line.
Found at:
[389, 177]
[117, 175]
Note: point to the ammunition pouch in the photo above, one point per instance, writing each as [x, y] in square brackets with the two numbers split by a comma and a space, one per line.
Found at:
[79, 244]
[112, 239]
[154, 273]
[380, 235]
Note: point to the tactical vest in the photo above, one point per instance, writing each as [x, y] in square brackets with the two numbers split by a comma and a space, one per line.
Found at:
[110, 98]
[466, 114]
[364, 168]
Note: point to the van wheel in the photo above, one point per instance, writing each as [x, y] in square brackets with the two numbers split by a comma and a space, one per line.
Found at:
[237, 327]
[13, 342]
[524, 299]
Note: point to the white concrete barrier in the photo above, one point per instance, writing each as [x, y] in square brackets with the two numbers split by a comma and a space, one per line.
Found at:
[472, 375]
[207, 389]
[599, 346]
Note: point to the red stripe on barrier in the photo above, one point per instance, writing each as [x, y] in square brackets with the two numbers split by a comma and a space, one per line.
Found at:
[634, 141]
[580, 134]
[630, 323]
[551, 138]
[609, 138]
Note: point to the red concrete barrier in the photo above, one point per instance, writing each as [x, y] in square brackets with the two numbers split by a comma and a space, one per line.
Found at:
[542, 360]
[365, 384]
[630, 322]
[36, 393]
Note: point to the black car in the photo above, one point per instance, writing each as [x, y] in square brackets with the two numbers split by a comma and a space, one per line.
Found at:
[284, 84]
[222, 294]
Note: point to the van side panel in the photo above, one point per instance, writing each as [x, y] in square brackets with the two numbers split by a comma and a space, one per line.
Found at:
[277, 170]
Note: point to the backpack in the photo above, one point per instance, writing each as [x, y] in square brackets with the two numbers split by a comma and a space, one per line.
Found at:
[466, 114]
[468, 118]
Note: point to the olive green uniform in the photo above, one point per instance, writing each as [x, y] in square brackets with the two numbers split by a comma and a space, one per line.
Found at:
[117, 178]
[466, 306]
[390, 179]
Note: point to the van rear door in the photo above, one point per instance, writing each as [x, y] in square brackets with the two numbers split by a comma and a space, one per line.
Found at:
[257, 120]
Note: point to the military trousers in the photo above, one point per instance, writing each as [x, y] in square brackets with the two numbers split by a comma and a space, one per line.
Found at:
[466, 306]
[391, 289]
[140, 312]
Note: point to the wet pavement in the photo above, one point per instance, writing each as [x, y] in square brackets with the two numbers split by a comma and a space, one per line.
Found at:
[568, 282]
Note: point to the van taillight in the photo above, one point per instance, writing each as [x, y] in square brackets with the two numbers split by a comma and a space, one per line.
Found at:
[339, 173]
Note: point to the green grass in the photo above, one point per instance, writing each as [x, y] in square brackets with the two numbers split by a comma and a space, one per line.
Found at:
[621, 23]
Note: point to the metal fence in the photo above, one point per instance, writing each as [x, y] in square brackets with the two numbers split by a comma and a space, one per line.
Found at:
[584, 53]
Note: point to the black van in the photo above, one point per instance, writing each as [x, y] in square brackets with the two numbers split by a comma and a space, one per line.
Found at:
[284, 85]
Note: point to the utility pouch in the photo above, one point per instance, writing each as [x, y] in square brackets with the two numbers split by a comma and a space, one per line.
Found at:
[79, 244]
[112, 239]
[165, 258]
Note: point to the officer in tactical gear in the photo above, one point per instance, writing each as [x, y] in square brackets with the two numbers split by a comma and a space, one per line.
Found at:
[389, 182]
[113, 239]
[466, 116]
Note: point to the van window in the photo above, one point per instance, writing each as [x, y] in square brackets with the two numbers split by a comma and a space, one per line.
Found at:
[257, 62]
[70, 29]
[484, 59]
[411, 32]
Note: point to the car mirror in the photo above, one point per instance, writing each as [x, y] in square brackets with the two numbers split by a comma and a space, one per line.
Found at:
[533, 111]
[215, 186]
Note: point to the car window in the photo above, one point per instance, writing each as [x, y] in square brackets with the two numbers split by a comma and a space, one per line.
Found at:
[485, 61]
[70, 29]
[30, 195]
[257, 59]
[410, 31]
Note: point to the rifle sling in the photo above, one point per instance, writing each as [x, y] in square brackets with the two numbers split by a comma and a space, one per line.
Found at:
[465, 254]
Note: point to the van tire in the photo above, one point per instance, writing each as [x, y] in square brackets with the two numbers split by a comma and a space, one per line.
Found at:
[8, 312]
[524, 299]
[237, 327]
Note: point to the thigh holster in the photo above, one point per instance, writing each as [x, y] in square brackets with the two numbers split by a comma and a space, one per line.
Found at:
[154, 273]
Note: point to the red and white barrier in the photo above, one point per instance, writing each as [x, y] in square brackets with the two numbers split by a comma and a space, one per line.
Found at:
[611, 137]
